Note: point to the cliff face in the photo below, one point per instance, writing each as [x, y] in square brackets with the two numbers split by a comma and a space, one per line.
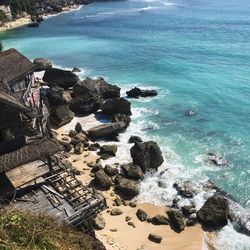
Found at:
[5, 14]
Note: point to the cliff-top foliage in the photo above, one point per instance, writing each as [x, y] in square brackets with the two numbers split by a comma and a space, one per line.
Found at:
[25, 231]
[19, 6]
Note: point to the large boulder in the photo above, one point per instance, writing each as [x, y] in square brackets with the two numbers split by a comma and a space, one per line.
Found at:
[61, 115]
[55, 96]
[176, 220]
[155, 238]
[63, 78]
[147, 155]
[132, 171]
[160, 220]
[128, 188]
[108, 149]
[84, 105]
[214, 213]
[186, 188]
[136, 92]
[121, 118]
[116, 106]
[108, 129]
[103, 180]
[97, 87]
[42, 64]
[141, 215]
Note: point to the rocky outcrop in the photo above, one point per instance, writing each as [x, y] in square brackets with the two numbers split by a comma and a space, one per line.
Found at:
[186, 188]
[176, 220]
[128, 188]
[96, 87]
[132, 171]
[136, 93]
[147, 155]
[108, 149]
[84, 104]
[56, 96]
[63, 78]
[116, 106]
[61, 115]
[134, 139]
[106, 130]
[102, 179]
[42, 64]
[214, 213]
[121, 118]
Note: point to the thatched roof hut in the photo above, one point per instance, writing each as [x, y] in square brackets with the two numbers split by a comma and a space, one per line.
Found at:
[14, 66]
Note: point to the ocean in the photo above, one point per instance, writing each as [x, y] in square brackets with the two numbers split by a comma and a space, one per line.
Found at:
[196, 54]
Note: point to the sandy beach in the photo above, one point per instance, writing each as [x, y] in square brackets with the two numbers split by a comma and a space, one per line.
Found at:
[15, 24]
[117, 234]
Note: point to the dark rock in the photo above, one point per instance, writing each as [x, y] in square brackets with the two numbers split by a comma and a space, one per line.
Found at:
[105, 156]
[102, 179]
[84, 105]
[155, 238]
[128, 218]
[141, 215]
[61, 115]
[132, 204]
[62, 78]
[118, 201]
[42, 64]
[127, 187]
[191, 221]
[96, 87]
[108, 149]
[217, 160]
[68, 147]
[55, 96]
[116, 106]
[96, 168]
[78, 149]
[136, 92]
[94, 147]
[72, 133]
[187, 210]
[176, 220]
[159, 220]
[122, 118]
[214, 213]
[106, 130]
[147, 155]
[76, 70]
[80, 137]
[78, 127]
[111, 171]
[132, 224]
[134, 139]
[116, 211]
[132, 171]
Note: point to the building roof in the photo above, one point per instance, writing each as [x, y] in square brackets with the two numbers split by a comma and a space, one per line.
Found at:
[14, 65]
[7, 97]
[31, 152]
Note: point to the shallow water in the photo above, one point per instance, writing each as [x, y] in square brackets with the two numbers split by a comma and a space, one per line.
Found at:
[195, 53]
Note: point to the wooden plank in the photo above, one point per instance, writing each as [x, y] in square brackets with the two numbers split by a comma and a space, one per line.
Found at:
[26, 173]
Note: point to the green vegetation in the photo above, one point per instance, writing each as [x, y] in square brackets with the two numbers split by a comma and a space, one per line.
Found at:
[19, 6]
[1, 46]
[2, 16]
[26, 231]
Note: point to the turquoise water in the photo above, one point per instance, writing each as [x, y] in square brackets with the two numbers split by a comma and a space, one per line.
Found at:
[196, 53]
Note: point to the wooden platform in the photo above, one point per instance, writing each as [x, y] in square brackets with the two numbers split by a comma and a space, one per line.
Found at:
[62, 196]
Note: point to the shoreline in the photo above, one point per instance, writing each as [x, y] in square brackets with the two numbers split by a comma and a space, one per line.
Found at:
[23, 21]
[117, 235]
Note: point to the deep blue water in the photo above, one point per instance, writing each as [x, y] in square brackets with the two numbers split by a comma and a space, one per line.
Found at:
[196, 53]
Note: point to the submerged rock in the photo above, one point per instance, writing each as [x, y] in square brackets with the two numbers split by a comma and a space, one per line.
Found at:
[214, 213]
[63, 78]
[147, 155]
[217, 160]
[136, 92]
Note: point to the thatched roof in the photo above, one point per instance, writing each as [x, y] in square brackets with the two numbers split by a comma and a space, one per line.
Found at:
[7, 97]
[29, 153]
[14, 66]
